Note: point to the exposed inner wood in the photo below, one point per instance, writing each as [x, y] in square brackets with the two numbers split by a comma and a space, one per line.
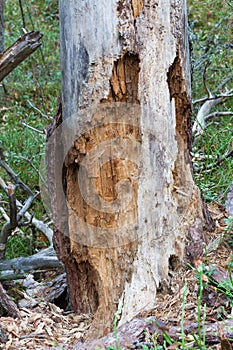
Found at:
[124, 80]
[97, 177]
[137, 6]
[97, 182]
[183, 164]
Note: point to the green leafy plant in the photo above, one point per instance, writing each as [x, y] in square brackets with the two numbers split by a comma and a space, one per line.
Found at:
[116, 317]
[199, 339]
[225, 286]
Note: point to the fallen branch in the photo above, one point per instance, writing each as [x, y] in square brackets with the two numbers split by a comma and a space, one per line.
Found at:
[42, 132]
[6, 218]
[40, 225]
[212, 98]
[18, 52]
[17, 267]
[210, 101]
[204, 112]
[216, 114]
[12, 223]
[15, 218]
[24, 187]
[199, 125]
[39, 111]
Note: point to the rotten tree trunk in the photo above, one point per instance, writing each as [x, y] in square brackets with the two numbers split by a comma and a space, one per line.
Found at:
[124, 188]
[18, 52]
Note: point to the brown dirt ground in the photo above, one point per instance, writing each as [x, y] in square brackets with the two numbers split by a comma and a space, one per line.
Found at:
[47, 327]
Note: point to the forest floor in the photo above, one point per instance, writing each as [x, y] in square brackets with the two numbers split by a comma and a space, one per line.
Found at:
[43, 325]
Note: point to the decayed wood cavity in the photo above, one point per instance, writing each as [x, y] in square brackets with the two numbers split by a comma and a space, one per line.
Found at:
[137, 6]
[101, 183]
[178, 92]
[104, 268]
[182, 103]
[124, 80]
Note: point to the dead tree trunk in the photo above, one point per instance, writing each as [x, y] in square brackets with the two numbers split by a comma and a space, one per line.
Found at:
[123, 195]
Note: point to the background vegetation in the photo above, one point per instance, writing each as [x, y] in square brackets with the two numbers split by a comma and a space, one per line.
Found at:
[212, 42]
[35, 84]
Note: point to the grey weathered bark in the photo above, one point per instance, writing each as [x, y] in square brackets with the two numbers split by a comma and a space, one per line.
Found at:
[125, 136]
[1, 26]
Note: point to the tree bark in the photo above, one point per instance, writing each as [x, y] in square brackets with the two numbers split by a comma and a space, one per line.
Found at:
[123, 186]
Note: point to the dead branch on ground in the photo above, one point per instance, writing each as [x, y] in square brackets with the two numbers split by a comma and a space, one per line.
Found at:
[17, 268]
[15, 217]
[45, 259]
[18, 211]
[209, 102]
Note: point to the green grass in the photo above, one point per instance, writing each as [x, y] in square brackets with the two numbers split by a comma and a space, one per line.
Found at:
[211, 22]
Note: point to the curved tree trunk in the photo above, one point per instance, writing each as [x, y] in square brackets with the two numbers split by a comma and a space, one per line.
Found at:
[127, 174]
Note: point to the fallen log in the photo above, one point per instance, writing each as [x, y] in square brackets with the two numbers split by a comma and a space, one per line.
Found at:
[18, 52]
[17, 267]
